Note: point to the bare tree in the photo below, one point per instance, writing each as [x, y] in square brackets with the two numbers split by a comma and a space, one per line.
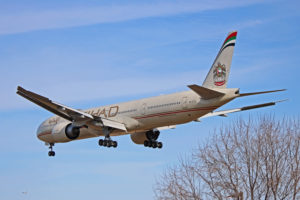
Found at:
[254, 159]
[179, 183]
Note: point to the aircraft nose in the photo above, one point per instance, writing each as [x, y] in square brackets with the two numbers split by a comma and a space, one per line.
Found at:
[43, 133]
[39, 132]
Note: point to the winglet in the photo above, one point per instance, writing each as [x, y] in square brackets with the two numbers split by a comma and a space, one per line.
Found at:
[204, 92]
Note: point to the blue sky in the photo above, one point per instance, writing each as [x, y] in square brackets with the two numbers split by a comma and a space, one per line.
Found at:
[90, 53]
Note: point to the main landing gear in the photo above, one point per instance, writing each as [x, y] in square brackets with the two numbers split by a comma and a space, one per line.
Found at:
[152, 137]
[153, 144]
[107, 142]
[51, 152]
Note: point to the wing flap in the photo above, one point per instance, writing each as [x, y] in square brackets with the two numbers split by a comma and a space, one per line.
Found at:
[113, 124]
[204, 92]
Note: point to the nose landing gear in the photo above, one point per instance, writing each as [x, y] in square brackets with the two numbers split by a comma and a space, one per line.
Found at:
[51, 152]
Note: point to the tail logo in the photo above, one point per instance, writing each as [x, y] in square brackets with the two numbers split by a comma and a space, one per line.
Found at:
[219, 74]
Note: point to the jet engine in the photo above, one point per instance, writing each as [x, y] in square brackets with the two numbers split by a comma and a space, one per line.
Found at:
[72, 132]
[65, 132]
[141, 137]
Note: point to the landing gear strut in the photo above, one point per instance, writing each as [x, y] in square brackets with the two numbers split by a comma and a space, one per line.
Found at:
[51, 152]
[107, 142]
[152, 137]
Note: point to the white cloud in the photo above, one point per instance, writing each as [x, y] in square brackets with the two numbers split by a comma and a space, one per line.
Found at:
[79, 16]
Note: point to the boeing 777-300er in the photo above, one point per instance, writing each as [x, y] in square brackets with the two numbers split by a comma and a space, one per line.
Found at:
[144, 119]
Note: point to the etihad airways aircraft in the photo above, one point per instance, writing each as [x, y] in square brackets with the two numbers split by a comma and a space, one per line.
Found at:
[144, 119]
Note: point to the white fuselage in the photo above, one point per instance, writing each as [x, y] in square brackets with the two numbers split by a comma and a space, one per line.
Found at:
[142, 115]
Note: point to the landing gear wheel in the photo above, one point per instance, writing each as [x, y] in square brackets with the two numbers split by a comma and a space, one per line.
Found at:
[109, 144]
[114, 144]
[51, 153]
[105, 143]
[146, 143]
[159, 145]
[154, 145]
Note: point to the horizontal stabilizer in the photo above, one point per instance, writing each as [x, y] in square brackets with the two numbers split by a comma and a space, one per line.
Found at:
[224, 113]
[204, 92]
[263, 92]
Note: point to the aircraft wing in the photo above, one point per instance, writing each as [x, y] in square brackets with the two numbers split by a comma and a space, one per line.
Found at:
[66, 112]
[224, 113]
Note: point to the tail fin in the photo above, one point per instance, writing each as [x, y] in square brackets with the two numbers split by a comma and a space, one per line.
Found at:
[218, 74]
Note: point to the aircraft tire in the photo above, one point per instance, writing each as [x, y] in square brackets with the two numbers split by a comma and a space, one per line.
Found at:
[146, 143]
[109, 143]
[51, 153]
[104, 143]
[159, 145]
[154, 144]
[100, 142]
[114, 144]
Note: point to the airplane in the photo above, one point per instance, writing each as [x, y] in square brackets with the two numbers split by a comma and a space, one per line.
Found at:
[144, 119]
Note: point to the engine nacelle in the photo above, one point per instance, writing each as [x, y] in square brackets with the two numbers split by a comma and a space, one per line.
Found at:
[72, 132]
[139, 138]
[65, 132]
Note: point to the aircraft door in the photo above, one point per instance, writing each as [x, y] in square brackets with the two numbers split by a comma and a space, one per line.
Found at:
[144, 108]
[184, 102]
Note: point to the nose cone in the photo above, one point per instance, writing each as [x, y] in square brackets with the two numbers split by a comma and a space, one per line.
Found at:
[44, 132]
[39, 131]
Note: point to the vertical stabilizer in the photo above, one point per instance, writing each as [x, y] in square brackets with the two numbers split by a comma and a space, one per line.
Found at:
[218, 74]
